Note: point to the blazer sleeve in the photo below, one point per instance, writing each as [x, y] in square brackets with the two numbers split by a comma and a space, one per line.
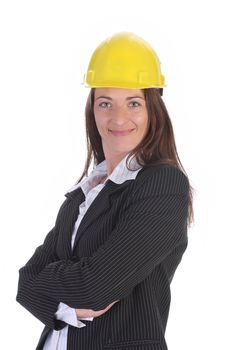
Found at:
[152, 226]
[41, 306]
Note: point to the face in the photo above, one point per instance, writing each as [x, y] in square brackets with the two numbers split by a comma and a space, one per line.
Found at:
[121, 118]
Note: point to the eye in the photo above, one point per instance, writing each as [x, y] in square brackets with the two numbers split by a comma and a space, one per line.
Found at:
[137, 103]
[104, 104]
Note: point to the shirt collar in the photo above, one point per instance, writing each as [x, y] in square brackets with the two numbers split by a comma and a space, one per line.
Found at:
[119, 174]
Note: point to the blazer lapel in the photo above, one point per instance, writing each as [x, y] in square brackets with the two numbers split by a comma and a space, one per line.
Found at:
[67, 223]
[100, 205]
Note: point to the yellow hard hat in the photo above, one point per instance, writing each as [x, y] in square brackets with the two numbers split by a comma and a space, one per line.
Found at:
[124, 60]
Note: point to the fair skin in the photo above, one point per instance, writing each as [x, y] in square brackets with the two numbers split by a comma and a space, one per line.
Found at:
[118, 109]
[121, 119]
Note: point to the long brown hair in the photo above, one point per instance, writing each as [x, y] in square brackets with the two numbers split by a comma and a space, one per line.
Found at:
[151, 150]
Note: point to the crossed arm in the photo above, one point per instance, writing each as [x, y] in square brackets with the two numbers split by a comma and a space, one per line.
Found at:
[151, 227]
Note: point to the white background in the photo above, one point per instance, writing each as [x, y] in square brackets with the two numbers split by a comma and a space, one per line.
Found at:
[45, 49]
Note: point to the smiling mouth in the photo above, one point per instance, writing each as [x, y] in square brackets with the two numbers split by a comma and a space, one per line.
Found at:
[121, 132]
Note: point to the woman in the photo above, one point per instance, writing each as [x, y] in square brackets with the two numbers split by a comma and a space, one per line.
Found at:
[122, 230]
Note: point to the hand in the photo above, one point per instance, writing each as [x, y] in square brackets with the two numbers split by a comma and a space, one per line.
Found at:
[92, 313]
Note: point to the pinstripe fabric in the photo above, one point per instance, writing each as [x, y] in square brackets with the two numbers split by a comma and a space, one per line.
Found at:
[128, 247]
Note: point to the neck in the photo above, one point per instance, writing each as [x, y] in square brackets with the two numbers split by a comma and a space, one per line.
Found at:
[112, 162]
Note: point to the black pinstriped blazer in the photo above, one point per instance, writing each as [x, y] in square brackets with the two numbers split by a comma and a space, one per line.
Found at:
[127, 247]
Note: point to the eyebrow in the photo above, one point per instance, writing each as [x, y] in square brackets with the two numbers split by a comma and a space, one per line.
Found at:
[127, 98]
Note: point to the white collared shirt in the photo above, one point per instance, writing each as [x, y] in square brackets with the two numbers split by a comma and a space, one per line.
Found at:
[91, 186]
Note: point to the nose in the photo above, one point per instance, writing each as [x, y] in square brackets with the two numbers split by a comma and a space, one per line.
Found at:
[119, 117]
